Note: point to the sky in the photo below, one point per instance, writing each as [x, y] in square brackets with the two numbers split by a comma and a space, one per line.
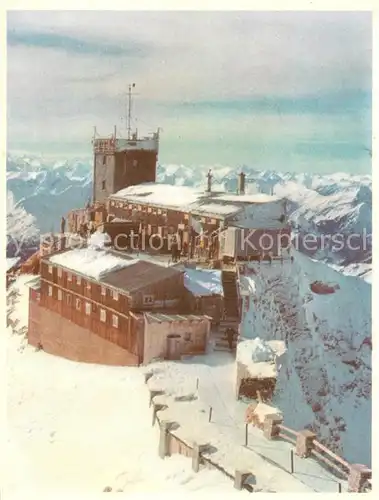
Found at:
[276, 90]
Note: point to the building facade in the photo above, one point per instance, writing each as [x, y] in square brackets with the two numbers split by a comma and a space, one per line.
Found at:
[101, 319]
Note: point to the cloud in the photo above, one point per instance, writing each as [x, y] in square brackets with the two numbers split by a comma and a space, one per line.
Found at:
[290, 75]
[75, 46]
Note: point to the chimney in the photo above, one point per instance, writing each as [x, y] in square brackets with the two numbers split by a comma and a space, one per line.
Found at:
[209, 178]
[241, 183]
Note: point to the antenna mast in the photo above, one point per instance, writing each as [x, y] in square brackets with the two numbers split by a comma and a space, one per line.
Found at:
[131, 86]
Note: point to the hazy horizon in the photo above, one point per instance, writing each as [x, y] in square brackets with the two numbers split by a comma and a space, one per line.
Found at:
[288, 91]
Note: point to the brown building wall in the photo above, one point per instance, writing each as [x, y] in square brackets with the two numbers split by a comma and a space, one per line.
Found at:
[134, 167]
[212, 305]
[167, 294]
[59, 336]
[83, 287]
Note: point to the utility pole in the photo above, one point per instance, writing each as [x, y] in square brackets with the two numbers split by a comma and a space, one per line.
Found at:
[131, 86]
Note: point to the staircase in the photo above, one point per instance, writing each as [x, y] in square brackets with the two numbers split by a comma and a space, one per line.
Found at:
[231, 317]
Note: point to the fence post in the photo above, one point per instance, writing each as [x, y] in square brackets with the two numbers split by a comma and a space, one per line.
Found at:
[210, 414]
[163, 439]
[339, 488]
[196, 452]
[292, 465]
[270, 425]
[358, 475]
[240, 477]
[246, 434]
[304, 443]
[197, 383]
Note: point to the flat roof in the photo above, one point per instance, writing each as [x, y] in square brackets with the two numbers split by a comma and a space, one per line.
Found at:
[122, 271]
[190, 199]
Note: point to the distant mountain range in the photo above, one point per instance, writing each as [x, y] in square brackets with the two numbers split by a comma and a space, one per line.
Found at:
[318, 204]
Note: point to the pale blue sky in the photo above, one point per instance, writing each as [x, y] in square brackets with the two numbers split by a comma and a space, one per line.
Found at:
[289, 91]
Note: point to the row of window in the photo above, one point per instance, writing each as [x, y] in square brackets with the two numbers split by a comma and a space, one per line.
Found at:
[78, 279]
[89, 308]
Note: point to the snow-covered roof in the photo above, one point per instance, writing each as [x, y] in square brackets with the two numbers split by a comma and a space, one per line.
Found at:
[190, 198]
[118, 270]
[217, 209]
[91, 262]
[203, 281]
[11, 262]
[259, 356]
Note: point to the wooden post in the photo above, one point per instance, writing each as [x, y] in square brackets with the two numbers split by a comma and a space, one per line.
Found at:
[339, 488]
[210, 413]
[197, 383]
[246, 434]
[292, 467]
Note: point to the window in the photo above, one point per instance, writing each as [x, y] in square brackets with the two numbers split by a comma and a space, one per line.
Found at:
[50, 291]
[103, 315]
[115, 321]
[59, 272]
[148, 299]
[88, 285]
[135, 163]
[68, 299]
[78, 280]
[78, 304]
[59, 294]
[103, 290]
[69, 277]
[103, 185]
[115, 295]
[88, 308]
[187, 337]
[50, 269]
[104, 160]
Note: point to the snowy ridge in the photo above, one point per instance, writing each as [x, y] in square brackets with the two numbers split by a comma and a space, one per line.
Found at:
[325, 378]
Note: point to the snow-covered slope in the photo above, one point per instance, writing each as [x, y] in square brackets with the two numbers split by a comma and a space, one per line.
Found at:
[76, 427]
[325, 379]
[339, 203]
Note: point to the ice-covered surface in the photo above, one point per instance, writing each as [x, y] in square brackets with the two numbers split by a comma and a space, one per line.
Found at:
[91, 262]
[203, 282]
[259, 356]
[324, 382]
[79, 428]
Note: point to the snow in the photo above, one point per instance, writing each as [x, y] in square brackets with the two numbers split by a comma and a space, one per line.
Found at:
[78, 428]
[319, 204]
[203, 282]
[259, 356]
[98, 240]
[225, 434]
[91, 262]
[322, 332]
[21, 226]
[213, 208]
[11, 262]
[160, 194]
[189, 198]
